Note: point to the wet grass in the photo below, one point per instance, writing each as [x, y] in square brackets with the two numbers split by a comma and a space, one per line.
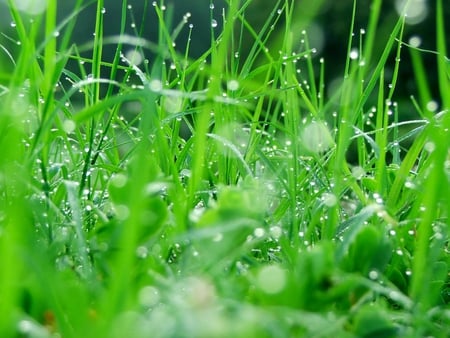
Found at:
[213, 197]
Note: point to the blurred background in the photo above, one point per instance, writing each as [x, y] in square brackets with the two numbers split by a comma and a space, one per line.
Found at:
[327, 23]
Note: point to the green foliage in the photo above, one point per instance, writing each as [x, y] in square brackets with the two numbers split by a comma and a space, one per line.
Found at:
[213, 197]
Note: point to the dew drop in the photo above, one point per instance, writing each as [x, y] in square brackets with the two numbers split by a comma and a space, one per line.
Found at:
[373, 275]
[415, 41]
[119, 180]
[148, 296]
[259, 232]
[173, 104]
[122, 212]
[316, 137]
[155, 85]
[218, 237]
[69, 126]
[358, 172]
[429, 147]
[214, 23]
[233, 85]
[276, 232]
[271, 279]
[432, 106]
[354, 54]
[141, 252]
[329, 199]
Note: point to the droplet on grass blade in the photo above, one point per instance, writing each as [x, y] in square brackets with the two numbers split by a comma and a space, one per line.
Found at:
[155, 85]
[354, 54]
[271, 279]
[233, 85]
[358, 172]
[121, 212]
[69, 126]
[134, 57]
[373, 275]
[316, 137]
[119, 180]
[432, 106]
[173, 104]
[31, 7]
[329, 199]
[415, 41]
[276, 232]
[148, 296]
[415, 11]
[259, 232]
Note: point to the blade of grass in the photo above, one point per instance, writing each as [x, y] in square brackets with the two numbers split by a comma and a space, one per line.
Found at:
[442, 60]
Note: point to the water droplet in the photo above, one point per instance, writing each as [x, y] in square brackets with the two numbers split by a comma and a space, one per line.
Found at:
[148, 296]
[142, 252]
[233, 85]
[134, 57]
[13, 24]
[69, 126]
[119, 180]
[415, 41]
[103, 10]
[316, 137]
[214, 23]
[432, 106]
[354, 54]
[259, 232]
[358, 172]
[429, 147]
[329, 199]
[276, 232]
[415, 11]
[373, 275]
[155, 85]
[218, 237]
[271, 279]
[173, 104]
[211, 6]
[34, 7]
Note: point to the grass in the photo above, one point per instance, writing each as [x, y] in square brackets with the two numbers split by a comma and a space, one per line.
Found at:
[224, 205]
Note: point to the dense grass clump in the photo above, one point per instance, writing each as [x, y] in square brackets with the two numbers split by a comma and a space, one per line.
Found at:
[214, 197]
